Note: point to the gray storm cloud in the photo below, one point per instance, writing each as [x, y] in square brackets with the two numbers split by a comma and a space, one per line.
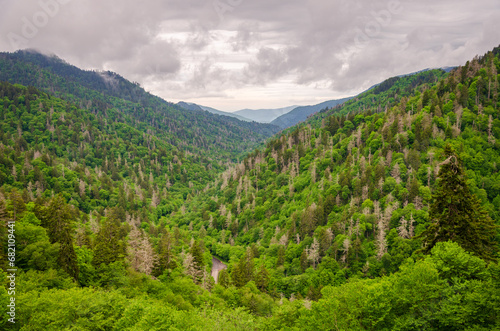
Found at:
[184, 48]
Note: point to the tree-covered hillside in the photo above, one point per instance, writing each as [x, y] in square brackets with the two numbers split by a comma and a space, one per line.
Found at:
[379, 214]
[109, 95]
[301, 114]
[336, 182]
[49, 146]
[343, 196]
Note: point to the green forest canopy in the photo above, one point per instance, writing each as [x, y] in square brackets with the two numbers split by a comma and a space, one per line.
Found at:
[320, 228]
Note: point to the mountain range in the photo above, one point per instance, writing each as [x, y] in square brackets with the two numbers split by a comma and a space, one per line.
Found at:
[108, 92]
[288, 116]
[257, 115]
[193, 106]
[281, 117]
[300, 114]
[264, 115]
[379, 211]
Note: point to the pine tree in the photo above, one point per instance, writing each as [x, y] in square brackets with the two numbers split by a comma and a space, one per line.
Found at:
[304, 262]
[262, 279]
[223, 279]
[198, 263]
[166, 258]
[110, 244]
[57, 217]
[457, 213]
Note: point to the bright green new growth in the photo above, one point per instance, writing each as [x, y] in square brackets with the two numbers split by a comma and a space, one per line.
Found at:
[317, 227]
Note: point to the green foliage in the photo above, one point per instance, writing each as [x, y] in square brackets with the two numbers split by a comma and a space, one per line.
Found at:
[87, 273]
[57, 218]
[319, 228]
[5, 299]
[243, 272]
[420, 295]
[114, 97]
[110, 241]
[457, 213]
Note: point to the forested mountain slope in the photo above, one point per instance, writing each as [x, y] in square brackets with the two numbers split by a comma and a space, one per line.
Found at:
[343, 195]
[336, 223]
[341, 172]
[301, 113]
[49, 146]
[87, 196]
[110, 95]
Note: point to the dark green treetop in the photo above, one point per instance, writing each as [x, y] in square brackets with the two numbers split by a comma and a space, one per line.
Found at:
[457, 213]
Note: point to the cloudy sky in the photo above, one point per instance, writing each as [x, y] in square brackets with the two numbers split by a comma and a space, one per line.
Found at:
[234, 54]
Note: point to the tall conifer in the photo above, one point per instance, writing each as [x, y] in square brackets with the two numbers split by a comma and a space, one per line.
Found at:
[457, 214]
[57, 217]
[110, 244]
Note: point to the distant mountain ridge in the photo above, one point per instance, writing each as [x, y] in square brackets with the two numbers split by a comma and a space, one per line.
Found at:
[264, 115]
[287, 117]
[112, 96]
[196, 107]
[300, 114]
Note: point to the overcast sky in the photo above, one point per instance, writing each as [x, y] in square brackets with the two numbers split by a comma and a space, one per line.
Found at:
[234, 54]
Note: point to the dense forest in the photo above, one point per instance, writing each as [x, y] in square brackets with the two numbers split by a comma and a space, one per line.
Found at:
[109, 95]
[380, 213]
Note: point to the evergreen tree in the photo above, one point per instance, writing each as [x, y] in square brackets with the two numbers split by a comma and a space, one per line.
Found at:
[281, 256]
[110, 245]
[224, 279]
[304, 262]
[308, 222]
[194, 265]
[166, 258]
[262, 279]
[237, 274]
[17, 205]
[197, 254]
[457, 213]
[4, 219]
[57, 218]
[243, 271]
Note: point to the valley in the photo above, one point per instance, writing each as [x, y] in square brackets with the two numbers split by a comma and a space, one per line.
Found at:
[379, 211]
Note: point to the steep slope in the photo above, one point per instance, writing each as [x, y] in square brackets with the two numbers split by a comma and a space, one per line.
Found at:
[317, 227]
[384, 95]
[377, 94]
[343, 194]
[300, 114]
[49, 146]
[109, 94]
